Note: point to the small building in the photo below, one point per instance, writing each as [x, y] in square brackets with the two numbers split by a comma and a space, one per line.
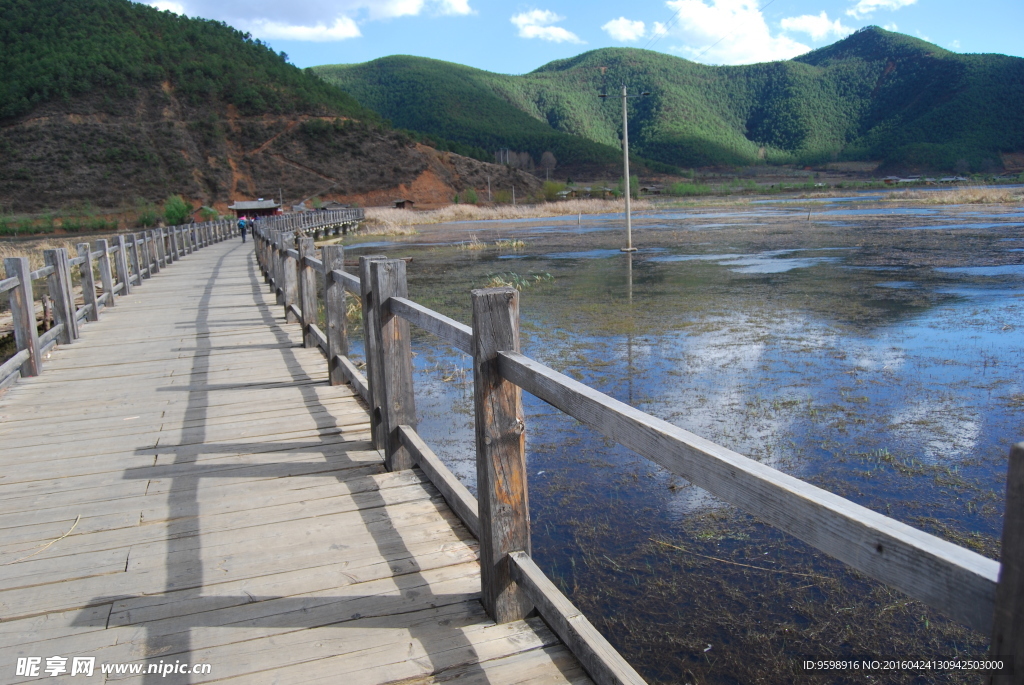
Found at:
[404, 204]
[332, 206]
[651, 189]
[258, 207]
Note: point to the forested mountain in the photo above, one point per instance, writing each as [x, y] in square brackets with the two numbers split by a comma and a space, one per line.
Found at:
[108, 102]
[876, 95]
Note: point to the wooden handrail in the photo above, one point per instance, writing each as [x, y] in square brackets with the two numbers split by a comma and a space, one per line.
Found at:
[9, 284]
[451, 331]
[956, 581]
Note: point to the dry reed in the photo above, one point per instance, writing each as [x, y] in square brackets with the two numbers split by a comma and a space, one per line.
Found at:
[390, 221]
[964, 195]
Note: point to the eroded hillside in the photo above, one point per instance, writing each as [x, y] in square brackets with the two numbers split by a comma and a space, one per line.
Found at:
[112, 154]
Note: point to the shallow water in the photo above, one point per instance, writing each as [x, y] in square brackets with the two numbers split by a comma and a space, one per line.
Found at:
[881, 364]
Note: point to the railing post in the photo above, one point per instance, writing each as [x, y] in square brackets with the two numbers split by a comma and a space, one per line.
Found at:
[307, 291]
[88, 283]
[144, 251]
[371, 348]
[121, 260]
[136, 260]
[23, 313]
[1008, 622]
[106, 277]
[59, 285]
[154, 249]
[174, 242]
[289, 277]
[397, 403]
[500, 454]
[336, 306]
[277, 258]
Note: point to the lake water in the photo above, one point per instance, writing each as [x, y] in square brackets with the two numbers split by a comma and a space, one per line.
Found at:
[880, 363]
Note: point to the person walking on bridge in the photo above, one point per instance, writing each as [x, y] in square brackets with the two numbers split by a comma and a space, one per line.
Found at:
[243, 226]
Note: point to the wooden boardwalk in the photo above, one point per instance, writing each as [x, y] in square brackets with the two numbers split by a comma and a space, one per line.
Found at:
[230, 510]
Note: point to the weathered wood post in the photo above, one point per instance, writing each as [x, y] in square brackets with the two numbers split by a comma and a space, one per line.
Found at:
[106, 277]
[121, 260]
[23, 313]
[289, 277]
[136, 258]
[88, 282]
[1008, 622]
[307, 291]
[59, 285]
[279, 266]
[144, 253]
[155, 249]
[397, 403]
[500, 454]
[173, 231]
[371, 348]
[336, 305]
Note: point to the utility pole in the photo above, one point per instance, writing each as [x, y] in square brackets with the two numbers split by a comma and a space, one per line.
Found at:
[625, 165]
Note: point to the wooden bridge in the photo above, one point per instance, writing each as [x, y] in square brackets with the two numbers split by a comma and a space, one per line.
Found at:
[190, 484]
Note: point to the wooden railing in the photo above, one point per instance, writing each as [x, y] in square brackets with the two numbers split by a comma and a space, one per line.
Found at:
[965, 586]
[121, 262]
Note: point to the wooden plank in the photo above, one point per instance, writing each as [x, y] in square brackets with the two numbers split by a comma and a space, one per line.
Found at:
[352, 283]
[14, 364]
[1008, 621]
[451, 331]
[9, 284]
[396, 401]
[458, 497]
[500, 453]
[600, 660]
[41, 273]
[953, 580]
[351, 374]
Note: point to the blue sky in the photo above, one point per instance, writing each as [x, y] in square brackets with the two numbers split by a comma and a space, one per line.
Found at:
[517, 37]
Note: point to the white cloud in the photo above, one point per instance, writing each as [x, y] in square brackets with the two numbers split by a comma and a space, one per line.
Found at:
[341, 29]
[454, 7]
[891, 27]
[311, 20]
[728, 32]
[624, 30]
[955, 45]
[817, 27]
[538, 24]
[165, 6]
[864, 8]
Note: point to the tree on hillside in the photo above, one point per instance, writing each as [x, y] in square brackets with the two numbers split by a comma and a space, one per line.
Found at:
[548, 162]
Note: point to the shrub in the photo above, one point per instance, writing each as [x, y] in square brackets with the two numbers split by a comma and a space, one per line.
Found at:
[551, 190]
[470, 196]
[176, 210]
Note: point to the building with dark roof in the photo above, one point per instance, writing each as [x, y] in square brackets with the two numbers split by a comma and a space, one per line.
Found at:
[259, 207]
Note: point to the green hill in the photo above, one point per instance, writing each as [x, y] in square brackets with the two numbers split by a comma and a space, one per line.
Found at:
[874, 95]
[114, 104]
[61, 49]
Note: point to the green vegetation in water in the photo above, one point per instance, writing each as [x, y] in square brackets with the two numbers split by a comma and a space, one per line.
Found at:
[511, 279]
